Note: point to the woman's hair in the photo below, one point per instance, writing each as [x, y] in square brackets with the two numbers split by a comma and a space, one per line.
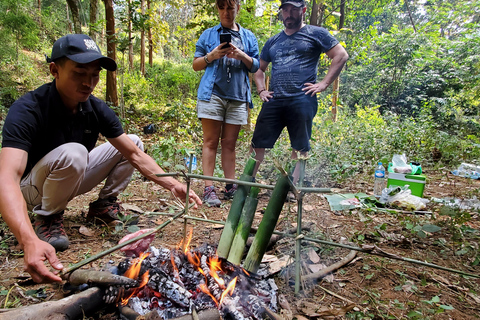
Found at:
[227, 3]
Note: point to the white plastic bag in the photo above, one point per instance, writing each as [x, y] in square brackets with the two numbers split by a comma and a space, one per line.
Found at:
[400, 165]
[402, 198]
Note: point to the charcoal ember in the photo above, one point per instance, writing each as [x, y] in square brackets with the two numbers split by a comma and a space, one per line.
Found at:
[139, 306]
[113, 294]
[253, 306]
[229, 309]
[158, 256]
[123, 266]
[266, 290]
[170, 290]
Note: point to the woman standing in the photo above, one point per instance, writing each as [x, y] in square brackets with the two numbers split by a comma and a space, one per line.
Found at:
[224, 96]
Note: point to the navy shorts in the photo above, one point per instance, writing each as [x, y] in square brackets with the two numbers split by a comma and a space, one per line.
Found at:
[295, 113]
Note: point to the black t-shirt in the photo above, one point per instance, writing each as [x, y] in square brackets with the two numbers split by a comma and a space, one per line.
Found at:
[39, 122]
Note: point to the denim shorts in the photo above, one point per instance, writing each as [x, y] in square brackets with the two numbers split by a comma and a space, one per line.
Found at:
[295, 113]
[225, 110]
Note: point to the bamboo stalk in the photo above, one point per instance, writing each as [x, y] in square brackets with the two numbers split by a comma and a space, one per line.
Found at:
[267, 226]
[298, 242]
[243, 228]
[235, 210]
[80, 264]
[187, 198]
[240, 182]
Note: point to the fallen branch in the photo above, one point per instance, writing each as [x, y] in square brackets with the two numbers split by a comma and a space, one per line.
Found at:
[322, 273]
[72, 307]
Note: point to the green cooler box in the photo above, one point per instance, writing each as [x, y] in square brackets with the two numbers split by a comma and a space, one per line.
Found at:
[416, 182]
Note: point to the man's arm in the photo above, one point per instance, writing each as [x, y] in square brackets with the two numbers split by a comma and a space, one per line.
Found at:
[14, 212]
[339, 56]
[259, 78]
[149, 168]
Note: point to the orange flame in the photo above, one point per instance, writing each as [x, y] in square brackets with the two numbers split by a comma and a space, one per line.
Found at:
[229, 289]
[215, 265]
[204, 289]
[133, 273]
[185, 245]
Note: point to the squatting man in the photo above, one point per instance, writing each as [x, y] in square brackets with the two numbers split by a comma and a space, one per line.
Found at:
[48, 155]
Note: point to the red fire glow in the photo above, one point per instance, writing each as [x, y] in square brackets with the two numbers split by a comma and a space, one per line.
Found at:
[133, 273]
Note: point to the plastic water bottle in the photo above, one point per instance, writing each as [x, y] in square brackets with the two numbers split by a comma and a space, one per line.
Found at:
[379, 180]
[194, 162]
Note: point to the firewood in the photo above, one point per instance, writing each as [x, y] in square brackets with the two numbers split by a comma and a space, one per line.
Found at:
[99, 278]
[72, 307]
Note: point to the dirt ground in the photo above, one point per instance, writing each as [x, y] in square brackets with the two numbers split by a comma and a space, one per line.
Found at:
[369, 287]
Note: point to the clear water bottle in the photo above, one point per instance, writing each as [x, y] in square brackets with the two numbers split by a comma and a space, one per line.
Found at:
[379, 180]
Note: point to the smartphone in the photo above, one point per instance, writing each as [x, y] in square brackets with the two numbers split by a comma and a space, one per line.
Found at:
[225, 37]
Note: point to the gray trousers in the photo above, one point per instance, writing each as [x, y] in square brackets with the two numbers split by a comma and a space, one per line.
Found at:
[71, 170]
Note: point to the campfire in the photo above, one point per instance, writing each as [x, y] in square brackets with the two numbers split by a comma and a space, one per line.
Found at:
[177, 282]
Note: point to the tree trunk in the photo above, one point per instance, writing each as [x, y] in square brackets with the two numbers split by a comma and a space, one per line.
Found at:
[72, 4]
[142, 42]
[93, 19]
[130, 43]
[336, 83]
[111, 95]
[314, 16]
[150, 39]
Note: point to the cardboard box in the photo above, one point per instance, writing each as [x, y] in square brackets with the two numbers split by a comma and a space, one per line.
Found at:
[416, 182]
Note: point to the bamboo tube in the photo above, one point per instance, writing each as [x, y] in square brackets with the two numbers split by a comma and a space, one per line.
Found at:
[243, 228]
[267, 226]
[235, 210]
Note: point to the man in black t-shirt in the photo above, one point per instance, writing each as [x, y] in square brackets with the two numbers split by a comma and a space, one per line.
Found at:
[48, 155]
[291, 99]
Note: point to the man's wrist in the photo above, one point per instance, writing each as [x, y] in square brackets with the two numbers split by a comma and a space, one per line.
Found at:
[260, 91]
[205, 57]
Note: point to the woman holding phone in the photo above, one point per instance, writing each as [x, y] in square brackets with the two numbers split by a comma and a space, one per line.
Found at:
[228, 53]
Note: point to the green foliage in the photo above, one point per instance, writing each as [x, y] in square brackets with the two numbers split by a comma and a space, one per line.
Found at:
[173, 81]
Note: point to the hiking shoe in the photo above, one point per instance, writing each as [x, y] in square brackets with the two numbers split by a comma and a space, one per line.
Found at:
[210, 197]
[50, 229]
[105, 210]
[228, 194]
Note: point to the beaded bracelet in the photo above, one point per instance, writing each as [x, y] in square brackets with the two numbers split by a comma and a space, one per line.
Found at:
[261, 91]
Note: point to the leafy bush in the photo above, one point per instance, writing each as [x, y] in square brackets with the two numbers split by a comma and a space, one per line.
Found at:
[173, 81]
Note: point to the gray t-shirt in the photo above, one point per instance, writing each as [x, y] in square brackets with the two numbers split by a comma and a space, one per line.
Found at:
[295, 58]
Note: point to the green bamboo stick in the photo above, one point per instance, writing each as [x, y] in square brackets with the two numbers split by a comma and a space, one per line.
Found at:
[267, 226]
[240, 182]
[243, 228]
[235, 210]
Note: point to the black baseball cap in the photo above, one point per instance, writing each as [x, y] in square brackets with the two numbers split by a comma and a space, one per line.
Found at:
[81, 49]
[295, 3]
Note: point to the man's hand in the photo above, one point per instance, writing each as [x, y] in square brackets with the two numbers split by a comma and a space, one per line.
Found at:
[180, 191]
[314, 88]
[35, 255]
[266, 95]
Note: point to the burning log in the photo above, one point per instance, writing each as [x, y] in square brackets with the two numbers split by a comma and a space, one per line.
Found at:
[72, 307]
[243, 228]
[267, 226]
[99, 278]
[170, 289]
[208, 314]
[235, 210]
